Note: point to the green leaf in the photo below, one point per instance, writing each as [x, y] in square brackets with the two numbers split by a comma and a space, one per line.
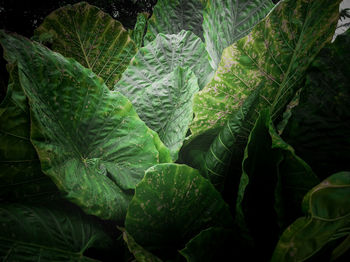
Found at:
[21, 178]
[90, 140]
[160, 58]
[327, 218]
[90, 36]
[172, 204]
[273, 57]
[272, 186]
[213, 244]
[225, 22]
[139, 29]
[166, 106]
[48, 233]
[319, 128]
[140, 254]
[172, 16]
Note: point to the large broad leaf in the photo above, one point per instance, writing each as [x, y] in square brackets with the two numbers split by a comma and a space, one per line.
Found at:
[225, 22]
[47, 233]
[273, 57]
[327, 218]
[172, 204]
[273, 184]
[90, 141]
[160, 57]
[172, 16]
[166, 106]
[139, 29]
[21, 178]
[319, 127]
[90, 36]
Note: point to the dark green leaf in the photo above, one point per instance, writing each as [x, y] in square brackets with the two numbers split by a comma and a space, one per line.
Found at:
[90, 140]
[327, 218]
[90, 36]
[139, 29]
[172, 204]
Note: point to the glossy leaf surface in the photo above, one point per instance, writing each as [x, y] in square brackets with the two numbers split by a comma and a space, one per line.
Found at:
[91, 37]
[172, 16]
[43, 233]
[273, 57]
[327, 218]
[172, 204]
[90, 140]
[226, 21]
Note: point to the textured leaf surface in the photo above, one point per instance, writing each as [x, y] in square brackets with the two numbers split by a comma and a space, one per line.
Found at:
[91, 37]
[172, 204]
[160, 58]
[273, 57]
[44, 233]
[172, 16]
[140, 254]
[273, 184]
[166, 106]
[319, 127]
[226, 21]
[327, 218]
[139, 29]
[21, 178]
[90, 141]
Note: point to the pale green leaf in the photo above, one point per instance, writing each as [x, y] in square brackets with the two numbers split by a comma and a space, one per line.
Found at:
[273, 57]
[90, 140]
[91, 37]
[172, 16]
[226, 21]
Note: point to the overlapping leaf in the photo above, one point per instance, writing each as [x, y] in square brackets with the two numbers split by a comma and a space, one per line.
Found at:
[225, 22]
[172, 204]
[161, 57]
[21, 178]
[139, 29]
[90, 141]
[90, 36]
[47, 233]
[273, 184]
[172, 16]
[274, 56]
[327, 218]
[319, 127]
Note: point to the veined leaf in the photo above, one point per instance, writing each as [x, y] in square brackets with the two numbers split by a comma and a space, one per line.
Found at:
[90, 36]
[21, 178]
[273, 184]
[90, 141]
[139, 29]
[274, 56]
[166, 106]
[161, 57]
[172, 203]
[319, 127]
[327, 218]
[141, 254]
[225, 22]
[47, 233]
[172, 16]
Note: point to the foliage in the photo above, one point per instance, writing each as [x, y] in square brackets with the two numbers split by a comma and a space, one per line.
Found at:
[201, 134]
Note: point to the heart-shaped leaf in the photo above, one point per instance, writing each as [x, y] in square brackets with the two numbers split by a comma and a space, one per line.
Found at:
[90, 140]
[91, 37]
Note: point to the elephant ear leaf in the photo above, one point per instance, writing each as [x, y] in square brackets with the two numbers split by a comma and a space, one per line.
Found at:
[90, 140]
[44, 233]
[327, 218]
[21, 178]
[91, 37]
[273, 57]
[172, 204]
[170, 17]
[225, 22]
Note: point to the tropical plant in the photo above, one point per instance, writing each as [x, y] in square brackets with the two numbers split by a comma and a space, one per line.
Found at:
[212, 130]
